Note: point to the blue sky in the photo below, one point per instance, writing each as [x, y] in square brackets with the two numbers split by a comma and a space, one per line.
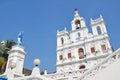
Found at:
[40, 19]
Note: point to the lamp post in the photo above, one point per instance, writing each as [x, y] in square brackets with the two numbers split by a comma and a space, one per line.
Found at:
[36, 62]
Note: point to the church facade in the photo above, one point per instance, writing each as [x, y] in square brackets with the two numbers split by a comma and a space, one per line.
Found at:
[79, 48]
[81, 55]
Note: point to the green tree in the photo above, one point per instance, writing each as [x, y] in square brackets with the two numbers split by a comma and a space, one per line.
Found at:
[4, 48]
[2, 64]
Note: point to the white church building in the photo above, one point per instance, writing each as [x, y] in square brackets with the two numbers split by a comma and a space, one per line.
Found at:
[81, 55]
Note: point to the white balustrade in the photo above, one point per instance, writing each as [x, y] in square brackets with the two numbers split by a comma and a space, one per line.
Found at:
[105, 63]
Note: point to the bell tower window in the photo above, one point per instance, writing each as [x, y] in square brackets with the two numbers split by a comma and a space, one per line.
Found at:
[77, 23]
[98, 30]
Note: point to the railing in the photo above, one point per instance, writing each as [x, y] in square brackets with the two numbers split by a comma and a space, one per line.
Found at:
[40, 77]
[66, 75]
[98, 67]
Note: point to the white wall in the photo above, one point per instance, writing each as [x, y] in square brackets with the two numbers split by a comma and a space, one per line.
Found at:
[112, 72]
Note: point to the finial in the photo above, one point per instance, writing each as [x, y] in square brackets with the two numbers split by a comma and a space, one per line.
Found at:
[20, 36]
[76, 12]
[100, 16]
[57, 31]
[65, 29]
[36, 70]
[75, 9]
[45, 72]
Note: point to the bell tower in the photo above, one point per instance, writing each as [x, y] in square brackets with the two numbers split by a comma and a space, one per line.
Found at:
[79, 29]
[98, 26]
[77, 22]
[69, 47]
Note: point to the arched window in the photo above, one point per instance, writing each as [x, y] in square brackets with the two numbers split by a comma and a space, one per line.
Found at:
[103, 47]
[82, 67]
[62, 41]
[92, 49]
[81, 53]
[69, 55]
[80, 50]
[98, 30]
[61, 57]
[77, 23]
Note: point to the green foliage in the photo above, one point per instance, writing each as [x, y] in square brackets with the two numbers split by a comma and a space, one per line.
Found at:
[2, 60]
[0, 54]
[4, 48]
[9, 44]
[2, 64]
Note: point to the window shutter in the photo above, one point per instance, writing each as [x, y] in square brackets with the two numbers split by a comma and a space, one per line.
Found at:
[92, 50]
[69, 55]
[61, 57]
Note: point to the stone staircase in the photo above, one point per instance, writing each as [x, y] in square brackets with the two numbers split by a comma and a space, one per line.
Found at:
[100, 66]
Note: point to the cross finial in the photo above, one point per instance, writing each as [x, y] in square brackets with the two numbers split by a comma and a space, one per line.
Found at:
[75, 9]
[76, 12]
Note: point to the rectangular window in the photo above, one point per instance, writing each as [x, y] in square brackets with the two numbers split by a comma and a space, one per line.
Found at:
[69, 55]
[103, 47]
[61, 57]
[92, 50]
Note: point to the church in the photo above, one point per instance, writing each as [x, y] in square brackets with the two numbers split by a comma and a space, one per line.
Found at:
[81, 55]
